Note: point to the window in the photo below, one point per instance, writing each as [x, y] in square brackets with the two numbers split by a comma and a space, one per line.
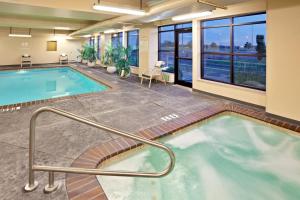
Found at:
[92, 42]
[117, 39]
[166, 49]
[234, 50]
[51, 45]
[166, 44]
[133, 44]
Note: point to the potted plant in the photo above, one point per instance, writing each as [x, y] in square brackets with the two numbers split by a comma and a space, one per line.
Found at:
[122, 62]
[83, 55]
[108, 59]
[91, 55]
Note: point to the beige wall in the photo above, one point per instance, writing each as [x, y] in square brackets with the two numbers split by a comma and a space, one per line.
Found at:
[235, 92]
[283, 58]
[11, 48]
[148, 48]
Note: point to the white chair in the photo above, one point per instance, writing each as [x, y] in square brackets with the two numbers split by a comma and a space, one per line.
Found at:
[26, 60]
[154, 73]
[63, 58]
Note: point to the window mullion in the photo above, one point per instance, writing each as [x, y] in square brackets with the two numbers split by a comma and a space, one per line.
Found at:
[232, 52]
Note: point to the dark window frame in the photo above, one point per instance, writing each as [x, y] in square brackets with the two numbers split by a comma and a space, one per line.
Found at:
[99, 47]
[175, 29]
[137, 43]
[119, 36]
[92, 42]
[232, 54]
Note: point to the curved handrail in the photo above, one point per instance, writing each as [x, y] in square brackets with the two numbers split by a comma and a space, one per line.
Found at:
[32, 185]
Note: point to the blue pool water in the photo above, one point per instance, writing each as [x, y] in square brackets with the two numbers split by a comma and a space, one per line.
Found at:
[21, 86]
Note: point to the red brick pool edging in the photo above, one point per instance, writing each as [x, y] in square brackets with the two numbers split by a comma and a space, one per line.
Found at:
[87, 187]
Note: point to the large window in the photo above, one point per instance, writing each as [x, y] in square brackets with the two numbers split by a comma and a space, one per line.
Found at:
[166, 44]
[234, 50]
[117, 39]
[133, 44]
[92, 41]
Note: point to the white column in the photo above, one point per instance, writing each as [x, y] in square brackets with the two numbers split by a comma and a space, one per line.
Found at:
[196, 51]
[148, 49]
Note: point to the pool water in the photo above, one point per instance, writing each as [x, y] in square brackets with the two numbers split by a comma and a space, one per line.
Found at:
[21, 86]
[229, 157]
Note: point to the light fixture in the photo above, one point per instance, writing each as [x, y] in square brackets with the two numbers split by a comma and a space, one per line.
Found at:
[191, 16]
[86, 36]
[62, 28]
[129, 11]
[110, 31]
[11, 34]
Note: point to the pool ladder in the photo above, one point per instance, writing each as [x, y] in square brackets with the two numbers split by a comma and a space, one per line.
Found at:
[51, 186]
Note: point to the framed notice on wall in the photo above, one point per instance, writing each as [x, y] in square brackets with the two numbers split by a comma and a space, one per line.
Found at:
[51, 45]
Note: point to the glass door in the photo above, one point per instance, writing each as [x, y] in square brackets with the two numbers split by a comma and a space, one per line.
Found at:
[184, 55]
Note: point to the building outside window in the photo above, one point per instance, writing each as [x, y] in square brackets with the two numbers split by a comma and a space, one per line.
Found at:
[233, 50]
[117, 39]
[133, 43]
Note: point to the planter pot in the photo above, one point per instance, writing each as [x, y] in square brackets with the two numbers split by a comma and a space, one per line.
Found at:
[169, 77]
[84, 61]
[91, 64]
[111, 69]
[102, 65]
[123, 75]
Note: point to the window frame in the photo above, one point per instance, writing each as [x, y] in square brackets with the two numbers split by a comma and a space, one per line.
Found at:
[92, 42]
[119, 37]
[137, 43]
[175, 29]
[232, 54]
[99, 47]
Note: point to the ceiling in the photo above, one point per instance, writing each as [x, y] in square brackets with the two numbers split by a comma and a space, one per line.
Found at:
[78, 14]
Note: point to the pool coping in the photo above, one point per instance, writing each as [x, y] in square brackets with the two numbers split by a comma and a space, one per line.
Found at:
[87, 187]
[17, 106]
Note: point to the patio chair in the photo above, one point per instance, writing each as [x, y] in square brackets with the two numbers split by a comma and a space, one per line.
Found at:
[154, 73]
[26, 60]
[63, 58]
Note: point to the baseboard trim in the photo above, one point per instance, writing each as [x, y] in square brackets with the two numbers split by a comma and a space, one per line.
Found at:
[230, 99]
[292, 121]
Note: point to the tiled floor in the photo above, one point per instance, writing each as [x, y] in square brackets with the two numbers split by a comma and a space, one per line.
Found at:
[59, 141]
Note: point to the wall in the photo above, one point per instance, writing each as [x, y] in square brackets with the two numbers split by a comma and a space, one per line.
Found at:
[239, 93]
[11, 48]
[148, 48]
[283, 82]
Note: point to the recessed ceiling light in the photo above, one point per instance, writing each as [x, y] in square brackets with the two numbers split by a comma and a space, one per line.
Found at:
[20, 35]
[62, 28]
[11, 34]
[111, 31]
[86, 36]
[191, 16]
[116, 9]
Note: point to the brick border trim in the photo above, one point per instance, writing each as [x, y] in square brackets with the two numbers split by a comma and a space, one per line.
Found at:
[87, 187]
[110, 86]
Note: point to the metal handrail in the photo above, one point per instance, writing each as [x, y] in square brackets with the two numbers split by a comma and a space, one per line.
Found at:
[32, 184]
